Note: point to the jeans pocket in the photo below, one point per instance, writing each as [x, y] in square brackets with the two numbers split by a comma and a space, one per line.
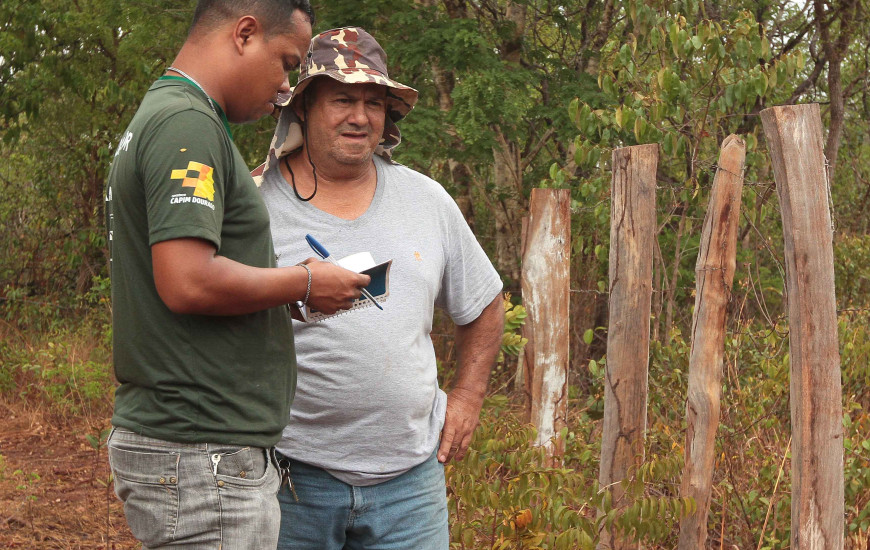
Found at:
[245, 467]
[147, 484]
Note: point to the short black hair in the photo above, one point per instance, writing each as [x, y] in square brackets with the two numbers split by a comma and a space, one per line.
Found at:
[275, 15]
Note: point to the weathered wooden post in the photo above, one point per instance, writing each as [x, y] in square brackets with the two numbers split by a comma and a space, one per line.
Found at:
[546, 286]
[632, 239]
[794, 137]
[714, 274]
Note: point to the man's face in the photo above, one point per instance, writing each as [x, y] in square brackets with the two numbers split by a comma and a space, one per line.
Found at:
[345, 122]
[265, 70]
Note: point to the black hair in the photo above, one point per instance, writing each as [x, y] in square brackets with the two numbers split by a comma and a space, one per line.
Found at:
[274, 15]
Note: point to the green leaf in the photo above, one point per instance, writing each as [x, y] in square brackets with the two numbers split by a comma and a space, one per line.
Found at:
[661, 77]
[581, 158]
[625, 54]
[674, 35]
[751, 142]
[640, 130]
[574, 110]
[771, 77]
[608, 85]
[761, 84]
[594, 157]
[742, 48]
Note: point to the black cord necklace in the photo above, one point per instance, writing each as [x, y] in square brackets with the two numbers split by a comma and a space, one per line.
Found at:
[313, 170]
[293, 180]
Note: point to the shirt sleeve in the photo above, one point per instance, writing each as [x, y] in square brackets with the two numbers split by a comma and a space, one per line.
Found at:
[469, 281]
[185, 169]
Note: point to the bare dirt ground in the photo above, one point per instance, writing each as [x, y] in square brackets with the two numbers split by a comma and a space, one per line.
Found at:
[53, 484]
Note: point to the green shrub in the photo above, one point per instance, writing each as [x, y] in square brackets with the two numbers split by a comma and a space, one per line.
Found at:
[66, 368]
[508, 494]
[852, 270]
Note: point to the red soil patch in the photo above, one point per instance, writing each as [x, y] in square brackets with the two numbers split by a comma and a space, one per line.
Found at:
[53, 492]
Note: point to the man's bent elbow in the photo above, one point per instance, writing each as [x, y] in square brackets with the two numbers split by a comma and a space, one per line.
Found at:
[182, 299]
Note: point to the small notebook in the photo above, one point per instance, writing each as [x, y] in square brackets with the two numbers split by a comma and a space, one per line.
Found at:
[379, 287]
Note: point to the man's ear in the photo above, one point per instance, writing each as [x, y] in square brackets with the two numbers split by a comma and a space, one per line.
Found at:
[299, 108]
[246, 29]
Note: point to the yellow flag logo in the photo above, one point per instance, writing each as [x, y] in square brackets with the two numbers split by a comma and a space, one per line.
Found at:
[199, 176]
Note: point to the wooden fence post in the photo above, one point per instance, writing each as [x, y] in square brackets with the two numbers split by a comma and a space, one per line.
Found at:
[714, 274]
[545, 285]
[794, 137]
[632, 239]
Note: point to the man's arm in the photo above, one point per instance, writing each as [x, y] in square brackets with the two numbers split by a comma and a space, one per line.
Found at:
[191, 278]
[477, 345]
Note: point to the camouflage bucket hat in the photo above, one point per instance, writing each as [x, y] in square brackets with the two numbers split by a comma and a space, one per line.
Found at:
[349, 55]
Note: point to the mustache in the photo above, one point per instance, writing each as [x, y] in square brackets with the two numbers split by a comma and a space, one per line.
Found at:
[355, 128]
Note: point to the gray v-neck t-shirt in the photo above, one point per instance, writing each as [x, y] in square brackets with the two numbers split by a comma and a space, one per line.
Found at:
[368, 406]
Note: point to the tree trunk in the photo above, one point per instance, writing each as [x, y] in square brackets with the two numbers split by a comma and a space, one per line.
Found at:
[509, 209]
[835, 49]
[507, 165]
[512, 47]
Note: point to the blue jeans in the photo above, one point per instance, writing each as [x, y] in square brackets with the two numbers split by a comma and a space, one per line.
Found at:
[195, 495]
[408, 512]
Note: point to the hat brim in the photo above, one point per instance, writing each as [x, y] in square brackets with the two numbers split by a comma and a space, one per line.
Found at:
[400, 98]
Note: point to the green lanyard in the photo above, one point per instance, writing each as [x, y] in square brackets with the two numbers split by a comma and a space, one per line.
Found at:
[212, 103]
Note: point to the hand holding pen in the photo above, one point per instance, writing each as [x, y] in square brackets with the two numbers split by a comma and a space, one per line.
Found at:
[333, 288]
[324, 254]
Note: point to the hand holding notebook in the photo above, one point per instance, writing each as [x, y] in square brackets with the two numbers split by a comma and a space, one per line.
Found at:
[377, 290]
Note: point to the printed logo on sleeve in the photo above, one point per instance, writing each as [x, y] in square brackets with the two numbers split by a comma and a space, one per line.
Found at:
[201, 178]
[124, 144]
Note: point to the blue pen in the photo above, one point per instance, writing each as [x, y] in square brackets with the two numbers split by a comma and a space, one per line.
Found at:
[323, 253]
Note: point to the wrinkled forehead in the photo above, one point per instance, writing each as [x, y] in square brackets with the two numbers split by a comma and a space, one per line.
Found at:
[326, 86]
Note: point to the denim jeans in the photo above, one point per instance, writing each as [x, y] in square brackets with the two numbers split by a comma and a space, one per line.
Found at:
[408, 512]
[195, 495]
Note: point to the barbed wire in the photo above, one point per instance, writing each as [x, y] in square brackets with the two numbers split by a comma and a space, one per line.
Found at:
[707, 166]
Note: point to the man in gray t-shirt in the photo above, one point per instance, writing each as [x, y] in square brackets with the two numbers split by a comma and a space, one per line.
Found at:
[363, 436]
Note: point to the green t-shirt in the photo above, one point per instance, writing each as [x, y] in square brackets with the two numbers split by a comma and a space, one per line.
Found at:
[191, 378]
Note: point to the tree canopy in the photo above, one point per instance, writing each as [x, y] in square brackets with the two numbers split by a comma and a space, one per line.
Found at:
[515, 94]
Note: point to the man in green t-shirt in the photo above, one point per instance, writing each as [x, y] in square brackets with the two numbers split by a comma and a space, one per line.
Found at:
[203, 346]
